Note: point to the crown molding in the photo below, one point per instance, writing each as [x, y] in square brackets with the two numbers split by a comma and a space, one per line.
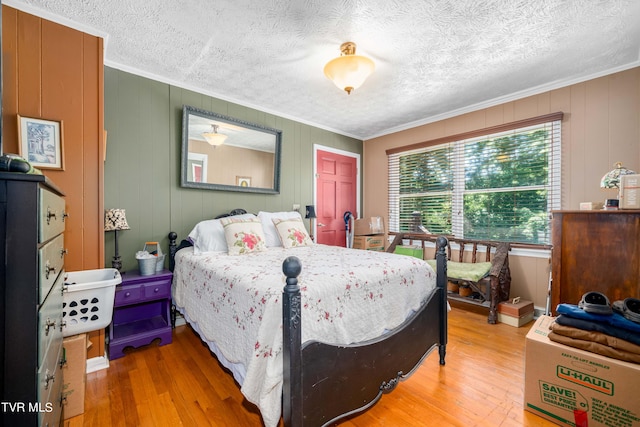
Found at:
[503, 99]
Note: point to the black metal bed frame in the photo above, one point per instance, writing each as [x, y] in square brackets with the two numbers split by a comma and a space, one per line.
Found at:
[323, 383]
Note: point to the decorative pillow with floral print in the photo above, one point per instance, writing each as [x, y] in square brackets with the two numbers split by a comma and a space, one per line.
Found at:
[243, 236]
[292, 232]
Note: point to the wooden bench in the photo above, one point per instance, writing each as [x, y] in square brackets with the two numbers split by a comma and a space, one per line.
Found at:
[487, 291]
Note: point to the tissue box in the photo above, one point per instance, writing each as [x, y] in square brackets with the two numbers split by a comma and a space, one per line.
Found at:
[591, 206]
[565, 384]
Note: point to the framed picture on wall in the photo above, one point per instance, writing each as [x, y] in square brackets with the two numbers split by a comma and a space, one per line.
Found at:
[40, 142]
[243, 181]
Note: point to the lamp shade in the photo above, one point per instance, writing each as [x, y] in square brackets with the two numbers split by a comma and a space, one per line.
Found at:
[115, 219]
[311, 212]
[612, 178]
[214, 138]
[349, 71]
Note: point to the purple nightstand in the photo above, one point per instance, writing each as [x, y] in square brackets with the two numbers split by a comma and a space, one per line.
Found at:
[140, 312]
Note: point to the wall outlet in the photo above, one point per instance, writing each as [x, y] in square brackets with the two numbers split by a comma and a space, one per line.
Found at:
[296, 208]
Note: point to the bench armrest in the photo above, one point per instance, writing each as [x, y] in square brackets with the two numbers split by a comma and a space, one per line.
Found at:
[499, 258]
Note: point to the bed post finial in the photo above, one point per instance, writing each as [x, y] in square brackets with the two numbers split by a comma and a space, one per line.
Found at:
[291, 267]
[172, 249]
[292, 344]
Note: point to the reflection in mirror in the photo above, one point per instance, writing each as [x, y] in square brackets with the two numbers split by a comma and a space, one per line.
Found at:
[198, 166]
[222, 153]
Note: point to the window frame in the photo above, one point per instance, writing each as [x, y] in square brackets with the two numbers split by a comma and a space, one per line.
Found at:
[457, 143]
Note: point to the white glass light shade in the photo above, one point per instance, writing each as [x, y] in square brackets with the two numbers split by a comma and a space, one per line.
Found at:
[214, 138]
[349, 71]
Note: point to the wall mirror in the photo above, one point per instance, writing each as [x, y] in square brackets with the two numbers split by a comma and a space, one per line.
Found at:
[222, 153]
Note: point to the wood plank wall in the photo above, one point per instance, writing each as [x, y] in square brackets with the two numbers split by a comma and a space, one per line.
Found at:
[143, 120]
[601, 126]
[54, 72]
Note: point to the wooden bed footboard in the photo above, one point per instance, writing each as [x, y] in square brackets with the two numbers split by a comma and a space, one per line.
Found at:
[323, 383]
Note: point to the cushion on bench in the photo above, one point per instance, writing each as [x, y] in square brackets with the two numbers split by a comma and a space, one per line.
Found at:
[465, 270]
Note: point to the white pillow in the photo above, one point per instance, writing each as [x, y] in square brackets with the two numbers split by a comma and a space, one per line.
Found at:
[208, 235]
[270, 233]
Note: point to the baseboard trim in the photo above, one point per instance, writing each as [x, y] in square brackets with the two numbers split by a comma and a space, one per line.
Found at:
[180, 319]
[97, 363]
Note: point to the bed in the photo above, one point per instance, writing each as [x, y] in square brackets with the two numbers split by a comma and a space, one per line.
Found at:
[311, 333]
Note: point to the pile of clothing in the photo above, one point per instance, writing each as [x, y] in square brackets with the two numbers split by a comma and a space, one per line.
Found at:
[597, 326]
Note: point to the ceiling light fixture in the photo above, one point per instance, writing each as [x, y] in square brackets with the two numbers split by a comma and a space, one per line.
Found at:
[214, 138]
[349, 71]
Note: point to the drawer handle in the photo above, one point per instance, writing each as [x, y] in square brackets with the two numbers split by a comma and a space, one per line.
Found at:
[48, 377]
[63, 252]
[127, 294]
[63, 323]
[64, 215]
[156, 290]
[50, 214]
[48, 269]
[48, 325]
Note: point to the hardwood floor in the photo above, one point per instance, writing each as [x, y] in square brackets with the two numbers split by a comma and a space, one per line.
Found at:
[182, 383]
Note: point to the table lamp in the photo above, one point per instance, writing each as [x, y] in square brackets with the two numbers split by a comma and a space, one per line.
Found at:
[310, 215]
[115, 220]
[612, 180]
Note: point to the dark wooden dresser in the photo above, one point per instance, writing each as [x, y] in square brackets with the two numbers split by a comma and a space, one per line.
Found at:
[595, 251]
[32, 222]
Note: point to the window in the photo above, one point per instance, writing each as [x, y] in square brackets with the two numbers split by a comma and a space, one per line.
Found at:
[499, 184]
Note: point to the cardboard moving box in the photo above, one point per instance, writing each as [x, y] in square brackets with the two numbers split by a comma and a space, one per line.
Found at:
[370, 243]
[74, 375]
[569, 386]
[368, 226]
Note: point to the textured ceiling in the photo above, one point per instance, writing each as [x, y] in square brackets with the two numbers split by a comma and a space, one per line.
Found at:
[434, 58]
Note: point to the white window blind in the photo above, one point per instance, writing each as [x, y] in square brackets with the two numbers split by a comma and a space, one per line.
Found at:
[498, 184]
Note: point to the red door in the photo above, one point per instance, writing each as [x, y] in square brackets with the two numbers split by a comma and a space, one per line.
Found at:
[336, 187]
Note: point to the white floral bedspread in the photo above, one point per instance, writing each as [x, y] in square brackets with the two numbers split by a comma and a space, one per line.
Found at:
[347, 296]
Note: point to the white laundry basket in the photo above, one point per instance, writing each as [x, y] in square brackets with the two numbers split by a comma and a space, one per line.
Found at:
[88, 300]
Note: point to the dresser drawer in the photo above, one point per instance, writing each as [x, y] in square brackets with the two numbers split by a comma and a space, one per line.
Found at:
[140, 292]
[49, 373]
[51, 263]
[51, 216]
[128, 295]
[49, 319]
[157, 290]
[51, 402]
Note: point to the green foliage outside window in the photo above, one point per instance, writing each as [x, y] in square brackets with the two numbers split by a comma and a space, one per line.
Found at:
[493, 188]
